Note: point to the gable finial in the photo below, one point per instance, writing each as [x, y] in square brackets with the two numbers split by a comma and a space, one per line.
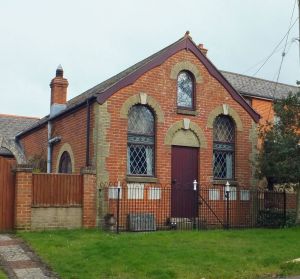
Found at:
[187, 34]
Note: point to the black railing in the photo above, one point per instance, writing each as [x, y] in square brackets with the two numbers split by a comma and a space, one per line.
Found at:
[140, 207]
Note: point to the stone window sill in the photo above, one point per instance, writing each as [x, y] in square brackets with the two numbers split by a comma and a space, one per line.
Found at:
[223, 182]
[141, 179]
[187, 112]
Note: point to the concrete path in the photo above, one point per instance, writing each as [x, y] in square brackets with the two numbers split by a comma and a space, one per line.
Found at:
[20, 262]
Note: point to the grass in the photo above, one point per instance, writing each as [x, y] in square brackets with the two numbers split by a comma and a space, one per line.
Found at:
[2, 274]
[256, 253]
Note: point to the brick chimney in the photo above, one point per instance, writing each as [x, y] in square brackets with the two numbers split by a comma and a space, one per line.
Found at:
[202, 49]
[59, 87]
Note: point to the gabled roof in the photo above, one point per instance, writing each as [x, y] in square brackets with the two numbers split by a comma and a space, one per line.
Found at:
[105, 89]
[257, 87]
[93, 92]
[11, 125]
[158, 58]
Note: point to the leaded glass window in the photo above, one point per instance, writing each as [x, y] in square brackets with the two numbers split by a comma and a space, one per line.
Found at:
[65, 164]
[223, 154]
[140, 149]
[185, 90]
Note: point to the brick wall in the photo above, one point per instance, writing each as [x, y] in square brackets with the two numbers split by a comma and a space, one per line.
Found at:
[72, 130]
[23, 198]
[35, 143]
[158, 84]
[89, 199]
[110, 154]
[49, 216]
[264, 108]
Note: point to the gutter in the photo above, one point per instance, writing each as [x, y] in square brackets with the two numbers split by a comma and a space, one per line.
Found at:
[88, 121]
[49, 149]
[72, 109]
[51, 142]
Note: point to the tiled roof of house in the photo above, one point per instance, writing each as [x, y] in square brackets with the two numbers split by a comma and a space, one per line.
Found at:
[11, 125]
[244, 85]
[257, 87]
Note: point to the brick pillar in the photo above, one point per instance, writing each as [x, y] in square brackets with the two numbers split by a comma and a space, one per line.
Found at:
[89, 205]
[23, 197]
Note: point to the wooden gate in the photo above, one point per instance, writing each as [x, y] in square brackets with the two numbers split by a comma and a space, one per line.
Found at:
[7, 195]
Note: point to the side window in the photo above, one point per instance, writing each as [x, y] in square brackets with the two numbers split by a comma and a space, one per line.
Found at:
[141, 139]
[223, 147]
[65, 164]
[185, 90]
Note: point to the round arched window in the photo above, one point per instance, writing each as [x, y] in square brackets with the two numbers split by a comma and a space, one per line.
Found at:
[185, 90]
[140, 148]
[65, 163]
[224, 147]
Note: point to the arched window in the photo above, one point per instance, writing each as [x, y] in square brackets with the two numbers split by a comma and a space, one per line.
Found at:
[140, 149]
[65, 164]
[223, 153]
[185, 90]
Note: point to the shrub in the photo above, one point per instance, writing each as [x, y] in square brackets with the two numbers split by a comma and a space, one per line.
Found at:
[274, 218]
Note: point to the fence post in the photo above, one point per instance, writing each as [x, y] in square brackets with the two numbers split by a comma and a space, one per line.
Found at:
[118, 209]
[195, 201]
[227, 192]
[89, 197]
[23, 197]
[284, 205]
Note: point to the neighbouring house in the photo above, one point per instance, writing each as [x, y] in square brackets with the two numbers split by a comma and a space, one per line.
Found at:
[170, 119]
[260, 93]
[10, 126]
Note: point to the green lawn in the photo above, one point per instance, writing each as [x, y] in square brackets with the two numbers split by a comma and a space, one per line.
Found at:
[256, 253]
[2, 274]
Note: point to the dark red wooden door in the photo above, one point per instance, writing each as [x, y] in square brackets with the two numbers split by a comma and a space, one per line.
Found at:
[7, 195]
[184, 198]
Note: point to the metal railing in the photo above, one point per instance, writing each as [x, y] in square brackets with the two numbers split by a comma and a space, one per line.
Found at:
[142, 207]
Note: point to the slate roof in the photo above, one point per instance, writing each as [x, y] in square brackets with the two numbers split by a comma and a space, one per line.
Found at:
[11, 125]
[5, 152]
[257, 87]
[94, 91]
[244, 85]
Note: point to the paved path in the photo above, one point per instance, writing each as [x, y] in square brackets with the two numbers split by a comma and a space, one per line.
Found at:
[20, 262]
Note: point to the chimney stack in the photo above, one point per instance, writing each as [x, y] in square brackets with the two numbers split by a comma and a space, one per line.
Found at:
[59, 87]
[202, 49]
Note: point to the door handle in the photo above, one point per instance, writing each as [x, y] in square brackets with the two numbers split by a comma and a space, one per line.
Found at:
[173, 181]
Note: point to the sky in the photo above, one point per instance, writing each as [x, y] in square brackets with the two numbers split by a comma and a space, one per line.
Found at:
[94, 40]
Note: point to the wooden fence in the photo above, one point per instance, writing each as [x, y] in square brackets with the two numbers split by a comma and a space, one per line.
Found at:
[7, 194]
[57, 190]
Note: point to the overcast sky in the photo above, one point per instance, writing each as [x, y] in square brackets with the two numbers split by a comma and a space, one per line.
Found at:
[95, 39]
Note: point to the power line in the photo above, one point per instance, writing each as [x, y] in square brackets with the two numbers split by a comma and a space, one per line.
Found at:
[285, 36]
[259, 62]
[272, 53]
[282, 58]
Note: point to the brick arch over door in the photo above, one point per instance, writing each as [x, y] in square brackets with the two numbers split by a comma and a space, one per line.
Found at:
[186, 125]
[225, 110]
[143, 99]
[66, 147]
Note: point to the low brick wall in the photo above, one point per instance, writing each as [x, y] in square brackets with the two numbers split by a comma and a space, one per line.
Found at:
[51, 201]
[43, 218]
